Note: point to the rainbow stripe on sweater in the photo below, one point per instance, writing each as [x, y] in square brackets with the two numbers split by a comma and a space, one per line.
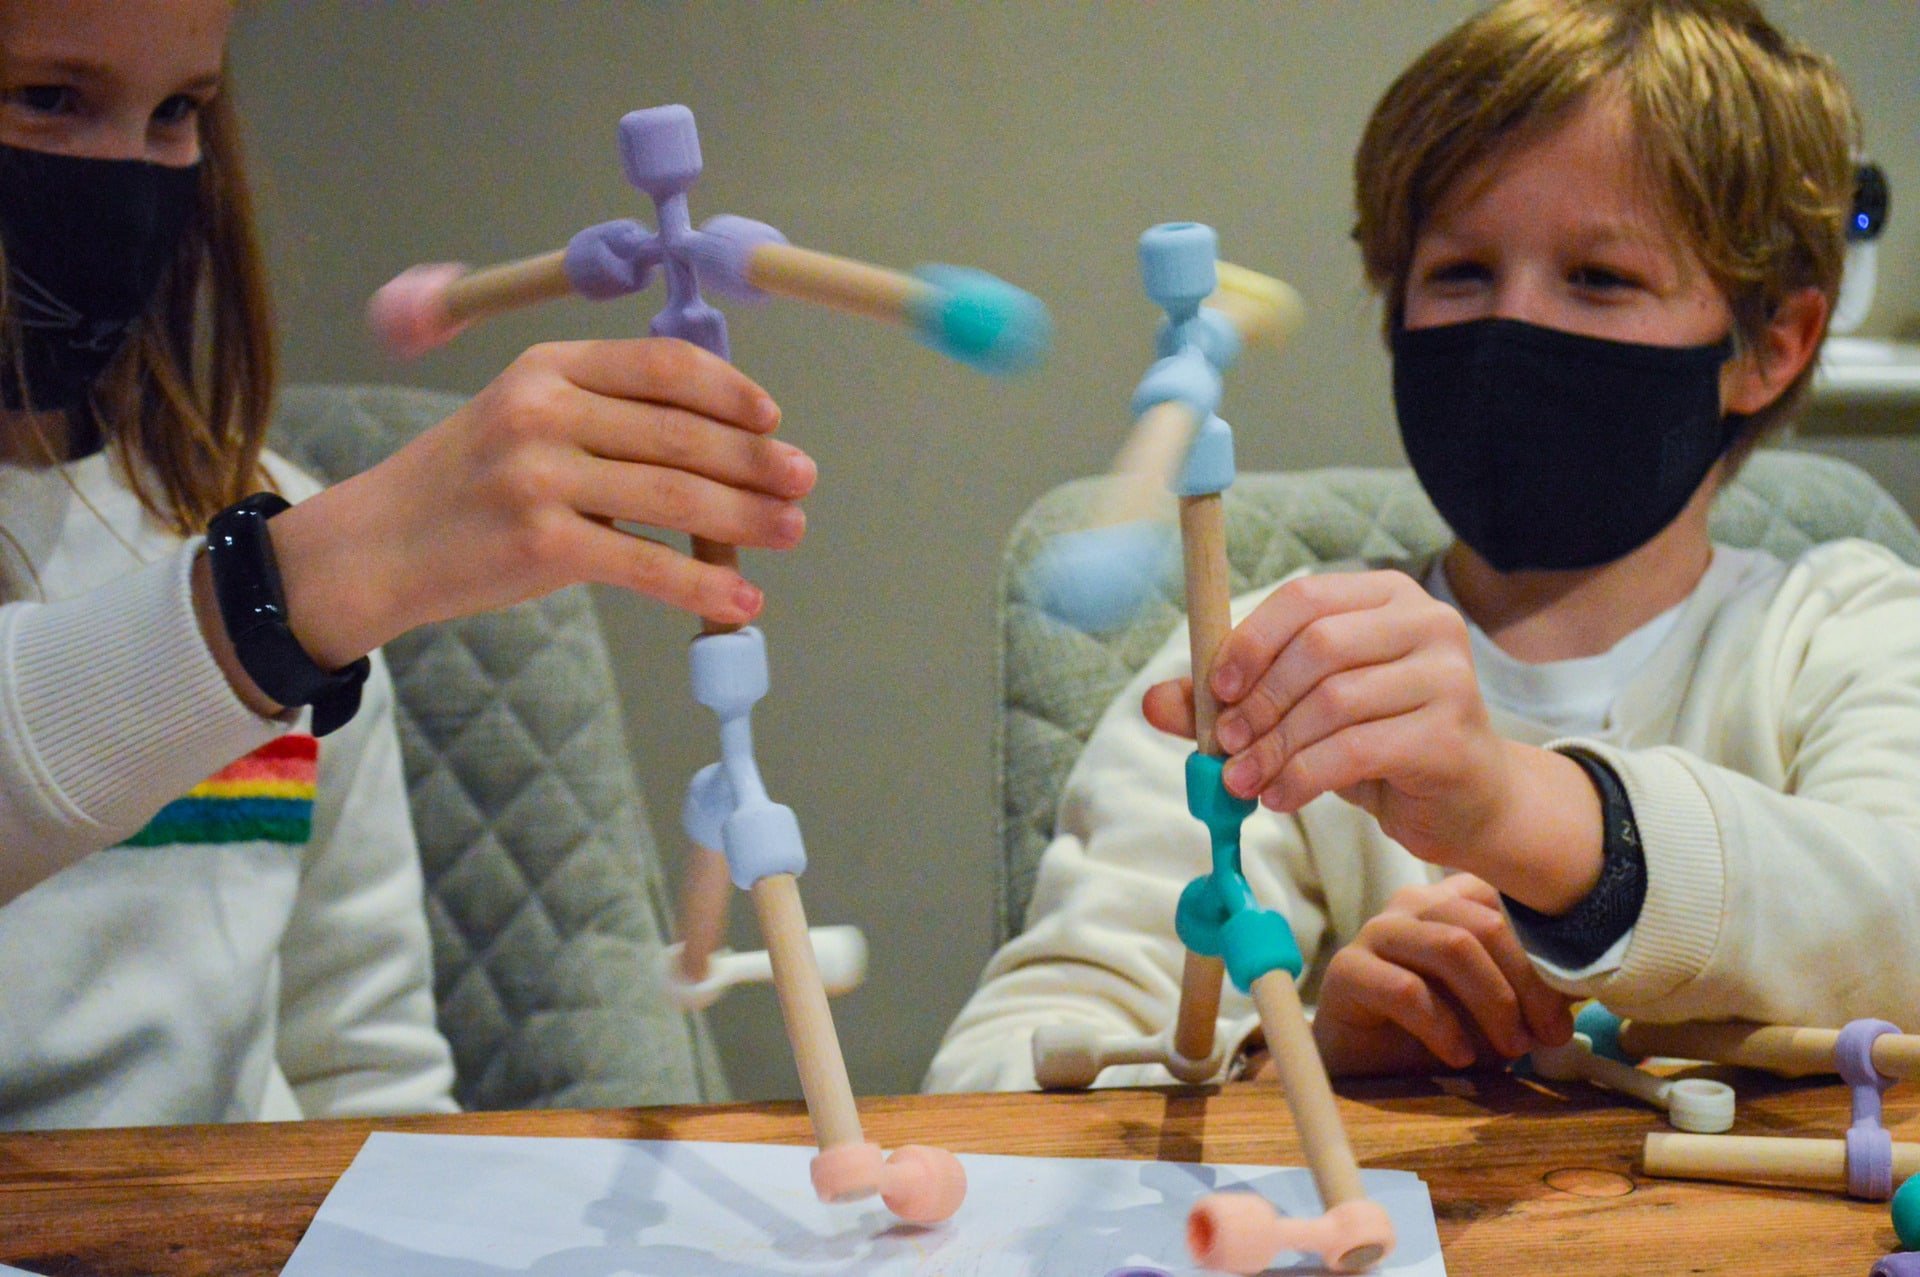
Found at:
[265, 797]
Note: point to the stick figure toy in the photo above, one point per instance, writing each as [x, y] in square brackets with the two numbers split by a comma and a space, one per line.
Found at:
[1224, 928]
[966, 314]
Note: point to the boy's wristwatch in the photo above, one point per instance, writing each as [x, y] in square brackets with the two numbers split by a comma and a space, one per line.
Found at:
[253, 607]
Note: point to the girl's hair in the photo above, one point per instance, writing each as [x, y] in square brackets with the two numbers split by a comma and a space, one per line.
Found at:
[189, 398]
[1747, 137]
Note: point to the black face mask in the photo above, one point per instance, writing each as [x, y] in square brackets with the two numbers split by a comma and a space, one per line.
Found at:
[87, 242]
[1545, 449]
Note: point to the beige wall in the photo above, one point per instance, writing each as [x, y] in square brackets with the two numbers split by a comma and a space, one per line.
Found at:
[1033, 139]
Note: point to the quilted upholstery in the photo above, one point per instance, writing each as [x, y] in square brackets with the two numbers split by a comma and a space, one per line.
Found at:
[543, 887]
[1055, 680]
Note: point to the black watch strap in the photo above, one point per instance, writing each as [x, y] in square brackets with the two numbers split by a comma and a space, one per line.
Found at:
[1579, 936]
[253, 607]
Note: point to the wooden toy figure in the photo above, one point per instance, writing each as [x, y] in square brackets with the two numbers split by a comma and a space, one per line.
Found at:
[966, 314]
[1226, 932]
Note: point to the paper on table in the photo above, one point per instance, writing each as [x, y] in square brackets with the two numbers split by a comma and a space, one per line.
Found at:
[486, 1205]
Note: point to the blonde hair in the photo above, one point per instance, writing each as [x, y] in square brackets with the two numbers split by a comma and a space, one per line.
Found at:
[1745, 136]
[189, 398]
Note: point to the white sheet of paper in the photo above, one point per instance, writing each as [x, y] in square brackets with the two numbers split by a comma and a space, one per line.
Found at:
[488, 1205]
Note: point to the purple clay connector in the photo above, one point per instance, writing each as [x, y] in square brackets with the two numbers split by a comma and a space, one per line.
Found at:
[660, 150]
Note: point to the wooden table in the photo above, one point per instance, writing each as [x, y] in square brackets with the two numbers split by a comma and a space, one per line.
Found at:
[1525, 1178]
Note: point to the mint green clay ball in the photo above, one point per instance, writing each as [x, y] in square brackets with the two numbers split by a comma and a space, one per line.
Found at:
[1906, 1214]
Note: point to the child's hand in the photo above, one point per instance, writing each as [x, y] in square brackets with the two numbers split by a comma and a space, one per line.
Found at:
[1437, 978]
[515, 494]
[1362, 684]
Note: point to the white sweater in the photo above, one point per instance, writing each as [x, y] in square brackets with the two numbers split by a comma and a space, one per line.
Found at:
[1770, 747]
[218, 968]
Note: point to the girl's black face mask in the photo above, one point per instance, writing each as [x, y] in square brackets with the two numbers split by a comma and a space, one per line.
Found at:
[87, 243]
[1549, 450]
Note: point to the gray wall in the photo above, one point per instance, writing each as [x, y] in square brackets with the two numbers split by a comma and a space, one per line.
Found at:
[1035, 140]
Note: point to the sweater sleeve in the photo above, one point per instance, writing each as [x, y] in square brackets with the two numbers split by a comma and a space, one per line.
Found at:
[357, 1034]
[1783, 876]
[1099, 952]
[121, 673]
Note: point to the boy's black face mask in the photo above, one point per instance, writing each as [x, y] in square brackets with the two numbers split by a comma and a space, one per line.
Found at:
[87, 243]
[1548, 450]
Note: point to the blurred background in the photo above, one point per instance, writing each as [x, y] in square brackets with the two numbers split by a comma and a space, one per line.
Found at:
[1035, 140]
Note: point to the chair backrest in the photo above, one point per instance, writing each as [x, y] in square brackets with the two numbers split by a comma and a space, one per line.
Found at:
[1055, 680]
[544, 892]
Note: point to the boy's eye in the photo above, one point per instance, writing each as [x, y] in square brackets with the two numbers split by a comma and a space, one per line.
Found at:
[1458, 273]
[44, 99]
[1599, 279]
[178, 109]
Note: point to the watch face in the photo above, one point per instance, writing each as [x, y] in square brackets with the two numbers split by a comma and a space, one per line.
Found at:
[1871, 202]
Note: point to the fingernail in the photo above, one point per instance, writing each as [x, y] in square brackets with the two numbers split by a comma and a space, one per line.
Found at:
[1233, 734]
[1226, 682]
[748, 599]
[1240, 777]
[801, 470]
[767, 412]
[793, 525]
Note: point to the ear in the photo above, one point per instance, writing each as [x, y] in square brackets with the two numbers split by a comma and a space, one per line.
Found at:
[1756, 376]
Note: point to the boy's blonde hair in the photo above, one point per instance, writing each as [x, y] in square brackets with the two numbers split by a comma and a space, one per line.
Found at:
[1747, 137]
[189, 398]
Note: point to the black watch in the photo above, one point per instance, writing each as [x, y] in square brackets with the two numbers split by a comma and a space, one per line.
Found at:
[253, 607]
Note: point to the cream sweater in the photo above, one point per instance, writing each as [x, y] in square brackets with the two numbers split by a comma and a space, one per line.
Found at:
[259, 949]
[1770, 746]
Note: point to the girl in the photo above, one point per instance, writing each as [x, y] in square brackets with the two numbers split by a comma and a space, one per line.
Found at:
[258, 948]
[1673, 776]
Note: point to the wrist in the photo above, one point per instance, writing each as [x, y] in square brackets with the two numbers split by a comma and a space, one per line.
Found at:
[338, 602]
[1545, 847]
[206, 610]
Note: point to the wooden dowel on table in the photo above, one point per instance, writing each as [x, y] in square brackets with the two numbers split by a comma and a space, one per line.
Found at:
[1780, 1048]
[1763, 1159]
[1303, 1076]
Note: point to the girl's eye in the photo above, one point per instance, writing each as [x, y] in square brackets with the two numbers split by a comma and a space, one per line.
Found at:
[178, 109]
[44, 99]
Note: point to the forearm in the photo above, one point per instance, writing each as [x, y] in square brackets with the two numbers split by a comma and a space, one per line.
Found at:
[113, 705]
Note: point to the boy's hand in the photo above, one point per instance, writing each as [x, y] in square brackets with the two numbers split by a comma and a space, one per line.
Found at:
[515, 495]
[1362, 684]
[1436, 979]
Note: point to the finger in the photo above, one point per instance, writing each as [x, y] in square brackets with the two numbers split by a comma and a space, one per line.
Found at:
[1320, 649]
[1398, 749]
[636, 563]
[1337, 702]
[1251, 646]
[1453, 948]
[664, 371]
[1168, 706]
[1390, 993]
[682, 502]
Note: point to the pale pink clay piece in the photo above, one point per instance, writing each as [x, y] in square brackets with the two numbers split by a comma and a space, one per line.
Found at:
[1241, 1233]
[846, 1172]
[409, 312]
[923, 1185]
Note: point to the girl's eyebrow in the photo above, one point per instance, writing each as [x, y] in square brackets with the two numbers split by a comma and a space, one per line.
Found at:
[26, 70]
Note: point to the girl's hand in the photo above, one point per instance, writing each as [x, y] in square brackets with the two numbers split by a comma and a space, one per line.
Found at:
[1362, 684]
[1436, 979]
[515, 495]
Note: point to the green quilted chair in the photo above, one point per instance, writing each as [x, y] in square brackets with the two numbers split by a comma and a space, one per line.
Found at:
[544, 892]
[1055, 679]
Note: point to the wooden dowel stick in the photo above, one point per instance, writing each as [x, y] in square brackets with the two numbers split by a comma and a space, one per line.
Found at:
[481, 293]
[1768, 1159]
[1136, 487]
[703, 911]
[803, 1006]
[1197, 1020]
[837, 282]
[1781, 1048]
[1203, 541]
[1303, 1075]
